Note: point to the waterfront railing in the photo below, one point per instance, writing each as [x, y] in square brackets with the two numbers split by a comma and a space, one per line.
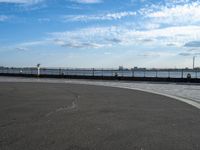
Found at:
[151, 73]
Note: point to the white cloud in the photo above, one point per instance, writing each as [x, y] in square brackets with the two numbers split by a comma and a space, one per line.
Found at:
[21, 49]
[76, 44]
[44, 20]
[177, 1]
[108, 36]
[25, 46]
[151, 26]
[174, 14]
[156, 54]
[3, 18]
[177, 35]
[34, 43]
[21, 1]
[109, 16]
[192, 44]
[188, 54]
[98, 37]
[182, 27]
[87, 1]
[82, 38]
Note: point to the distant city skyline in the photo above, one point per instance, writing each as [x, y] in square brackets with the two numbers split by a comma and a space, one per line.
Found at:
[100, 33]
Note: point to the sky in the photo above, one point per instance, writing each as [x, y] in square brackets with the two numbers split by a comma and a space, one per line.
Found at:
[100, 33]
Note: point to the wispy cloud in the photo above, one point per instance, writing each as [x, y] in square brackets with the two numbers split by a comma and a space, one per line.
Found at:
[170, 44]
[3, 18]
[189, 54]
[21, 49]
[115, 40]
[108, 16]
[173, 14]
[125, 36]
[34, 43]
[26, 46]
[44, 20]
[173, 35]
[98, 37]
[21, 1]
[156, 54]
[87, 1]
[93, 37]
[192, 44]
[77, 44]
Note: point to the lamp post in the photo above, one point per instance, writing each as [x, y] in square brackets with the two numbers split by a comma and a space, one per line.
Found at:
[38, 70]
[194, 61]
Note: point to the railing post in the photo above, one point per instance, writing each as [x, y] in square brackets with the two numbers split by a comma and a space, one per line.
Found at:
[133, 75]
[182, 74]
[59, 72]
[156, 73]
[168, 73]
[93, 72]
[112, 72]
[196, 73]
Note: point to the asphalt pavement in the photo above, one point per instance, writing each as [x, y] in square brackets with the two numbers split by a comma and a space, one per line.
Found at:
[55, 116]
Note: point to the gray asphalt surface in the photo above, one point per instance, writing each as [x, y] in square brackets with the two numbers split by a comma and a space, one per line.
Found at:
[42, 116]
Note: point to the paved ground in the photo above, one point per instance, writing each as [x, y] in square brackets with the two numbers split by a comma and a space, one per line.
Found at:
[44, 116]
[181, 90]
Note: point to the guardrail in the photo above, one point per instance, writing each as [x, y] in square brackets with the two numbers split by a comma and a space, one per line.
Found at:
[157, 73]
[127, 74]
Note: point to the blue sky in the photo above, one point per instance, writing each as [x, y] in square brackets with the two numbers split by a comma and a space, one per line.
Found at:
[99, 33]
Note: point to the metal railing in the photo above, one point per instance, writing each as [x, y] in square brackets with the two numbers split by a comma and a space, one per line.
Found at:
[156, 73]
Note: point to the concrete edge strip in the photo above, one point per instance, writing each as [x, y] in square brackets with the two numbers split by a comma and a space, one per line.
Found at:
[185, 100]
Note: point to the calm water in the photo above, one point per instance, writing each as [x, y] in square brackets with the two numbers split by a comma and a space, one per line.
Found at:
[91, 72]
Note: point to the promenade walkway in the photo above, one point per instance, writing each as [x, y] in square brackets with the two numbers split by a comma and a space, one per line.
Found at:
[87, 117]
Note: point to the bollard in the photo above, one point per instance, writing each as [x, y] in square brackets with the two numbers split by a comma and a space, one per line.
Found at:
[116, 75]
[188, 77]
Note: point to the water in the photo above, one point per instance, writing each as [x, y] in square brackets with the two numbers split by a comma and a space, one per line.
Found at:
[107, 73]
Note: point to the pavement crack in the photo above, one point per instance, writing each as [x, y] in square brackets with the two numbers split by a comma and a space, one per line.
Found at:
[72, 107]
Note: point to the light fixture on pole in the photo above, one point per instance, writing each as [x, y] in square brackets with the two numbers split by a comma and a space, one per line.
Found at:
[38, 70]
[194, 61]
